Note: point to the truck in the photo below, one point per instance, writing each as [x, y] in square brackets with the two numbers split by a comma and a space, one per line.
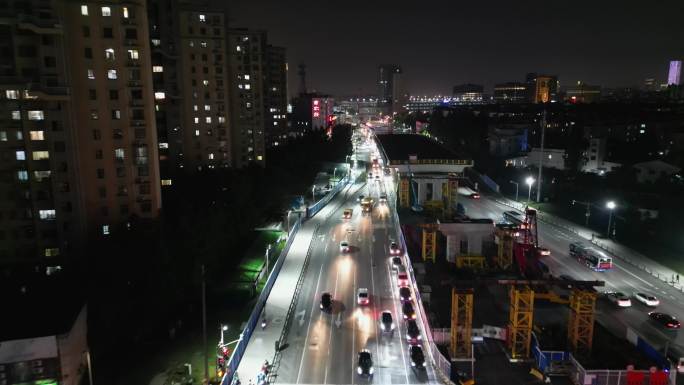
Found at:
[593, 258]
[366, 205]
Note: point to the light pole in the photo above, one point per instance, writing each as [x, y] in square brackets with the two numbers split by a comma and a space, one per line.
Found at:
[288, 221]
[587, 214]
[516, 189]
[268, 251]
[334, 172]
[529, 181]
[610, 205]
[223, 328]
[313, 193]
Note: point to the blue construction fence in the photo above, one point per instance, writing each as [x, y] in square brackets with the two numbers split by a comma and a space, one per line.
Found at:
[252, 322]
[649, 350]
[544, 358]
[316, 207]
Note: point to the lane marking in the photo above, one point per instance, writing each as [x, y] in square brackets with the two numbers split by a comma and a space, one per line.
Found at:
[308, 329]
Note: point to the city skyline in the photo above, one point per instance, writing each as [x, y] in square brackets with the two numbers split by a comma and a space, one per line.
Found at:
[481, 44]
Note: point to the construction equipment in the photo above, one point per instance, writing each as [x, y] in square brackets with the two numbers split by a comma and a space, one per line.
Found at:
[429, 241]
[461, 323]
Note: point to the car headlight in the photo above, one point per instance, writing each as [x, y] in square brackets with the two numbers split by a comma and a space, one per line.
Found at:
[420, 337]
[359, 370]
[413, 363]
[382, 326]
[392, 327]
[371, 370]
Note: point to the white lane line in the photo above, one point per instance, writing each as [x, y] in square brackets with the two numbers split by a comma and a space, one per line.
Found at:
[308, 327]
[325, 376]
[375, 310]
[634, 275]
[397, 319]
[353, 330]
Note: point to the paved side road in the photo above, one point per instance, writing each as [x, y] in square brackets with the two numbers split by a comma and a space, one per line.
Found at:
[621, 252]
[261, 346]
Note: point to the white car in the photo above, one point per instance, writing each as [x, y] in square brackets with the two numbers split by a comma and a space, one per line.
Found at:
[620, 299]
[362, 297]
[344, 247]
[647, 299]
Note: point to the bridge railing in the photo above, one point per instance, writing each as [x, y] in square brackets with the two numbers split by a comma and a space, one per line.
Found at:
[250, 326]
[316, 207]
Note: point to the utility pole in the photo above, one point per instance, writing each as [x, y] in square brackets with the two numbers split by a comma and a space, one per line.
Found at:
[541, 156]
[587, 214]
[516, 189]
[204, 327]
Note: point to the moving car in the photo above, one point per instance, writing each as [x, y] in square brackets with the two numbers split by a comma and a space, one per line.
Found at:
[544, 252]
[404, 294]
[360, 198]
[407, 311]
[365, 363]
[665, 320]
[383, 198]
[647, 299]
[347, 214]
[394, 249]
[619, 298]
[412, 332]
[402, 276]
[396, 262]
[417, 356]
[386, 321]
[474, 196]
[344, 247]
[362, 297]
[326, 301]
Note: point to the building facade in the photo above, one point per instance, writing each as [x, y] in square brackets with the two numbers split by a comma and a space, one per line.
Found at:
[583, 93]
[542, 88]
[468, 94]
[276, 96]
[510, 92]
[390, 88]
[674, 73]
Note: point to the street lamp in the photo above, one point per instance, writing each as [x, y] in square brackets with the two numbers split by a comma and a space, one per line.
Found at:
[516, 189]
[529, 181]
[223, 328]
[610, 205]
[313, 193]
[334, 172]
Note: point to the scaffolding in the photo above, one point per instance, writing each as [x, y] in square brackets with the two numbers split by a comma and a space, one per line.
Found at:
[520, 321]
[581, 322]
[404, 195]
[504, 239]
[429, 242]
[461, 323]
[475, 262]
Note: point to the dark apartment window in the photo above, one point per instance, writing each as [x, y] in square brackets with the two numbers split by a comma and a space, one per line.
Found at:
[100, 173]
[204, 57]
[192, 56]
[92, 94]
[59, 146]
[194, 82]
[96, 135]
[120, 172]
[205, 70]
[50, 61]
[98, 154]
[107, 32]
[143, 171]
[131, 33]
[123, 209]
[55, 126]
[463, 246]
[88, 52]
[86, 31]
[27, 51]
[140, 133]
[217, 31]
[104, 210]
[190, 30]
[138, 114]
[219, 70]
[113, 94]
[145, 207]
[145, 189]
[102, 191]
[203, 31]
[192, 69]
[48, 40]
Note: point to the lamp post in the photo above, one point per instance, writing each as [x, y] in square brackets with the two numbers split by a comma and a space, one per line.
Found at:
[610, 205]
[268, 252]
[313, 193]
[334, 172]
[516, 189]
[587, 214]
[223, 328]
[529, 181]
[288, 221]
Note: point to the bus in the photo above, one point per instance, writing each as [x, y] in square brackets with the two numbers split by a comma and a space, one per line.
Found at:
[593, 258]
[366, 205]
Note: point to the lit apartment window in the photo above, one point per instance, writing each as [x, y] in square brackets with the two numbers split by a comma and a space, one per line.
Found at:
[166, 182]
[105, 229]
[16, 115]
[240, 86]
[160, 95]
[119, 154]
[246, 77]
[20, 155]
[111, 74]
[19, 135]
[94, 115]
[47, 215]
[22, 175]
[116, 114]
[196, 120]
[205, 82]
[106, 11]
[202, 18]
[41, 155]
[248, 104]
[109, 54]
[156, 42]
[259, 157]
[125, 12]
[221, 119]
[238, 48]
[91, 74]
[157, 69]
[84, 10]
[191, 43]
[133, 54]
[247, 86]
[207, 119]
[3, 136]
[207, 107]
[203, 44]
[163, 145]
[12, 94]
[196, 132]
[36, 115]
[37, 135]
[211, 155]
[195, 108]
[52, 252]
[39, 176]
[275, 123]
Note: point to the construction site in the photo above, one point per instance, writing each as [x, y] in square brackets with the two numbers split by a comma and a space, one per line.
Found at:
[503, 291]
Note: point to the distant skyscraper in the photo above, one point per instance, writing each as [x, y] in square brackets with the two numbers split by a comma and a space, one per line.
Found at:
[511, 92]
[468, 93]
[542, 88]
[673, 76]
[390, 88]
[276, 95]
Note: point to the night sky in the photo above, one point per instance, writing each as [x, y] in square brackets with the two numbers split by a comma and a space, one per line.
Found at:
[439, 44]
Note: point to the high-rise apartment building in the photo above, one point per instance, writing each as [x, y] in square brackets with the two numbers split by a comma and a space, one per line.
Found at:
[191, 86]
[542, 88]
[247, 70]
[276, 96]
[390, 88]
[468, 93]
[511, 92]
[675, 72]
[78, 139]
